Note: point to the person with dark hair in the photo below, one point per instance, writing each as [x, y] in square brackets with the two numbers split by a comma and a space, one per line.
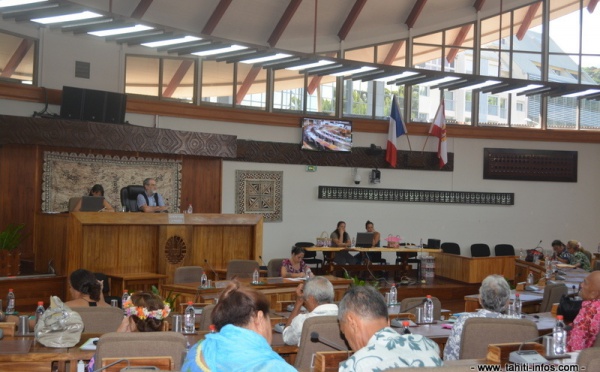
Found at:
[370, 227]
[560, 252]
[294, 267]
[340, 238]
[145, 312]
[242, 338]
[364, 321]
[150, 201]
[85, 290]
[96, 190]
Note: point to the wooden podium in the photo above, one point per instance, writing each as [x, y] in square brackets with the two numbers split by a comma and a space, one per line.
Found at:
[130, 243]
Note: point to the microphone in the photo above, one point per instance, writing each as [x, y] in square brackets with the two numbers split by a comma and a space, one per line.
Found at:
[398, 322]
[112, 364]
[539, 245]
[262, 263]
[532, 356]
[414, 306]
[314, 337]
[211, 269]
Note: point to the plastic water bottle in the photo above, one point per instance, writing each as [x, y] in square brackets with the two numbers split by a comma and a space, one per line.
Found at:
[39, 311]
[518, 305]
[428, 310]
[405, 330]
[190, 210]
[203, 280]
[307, 273]
[393, 295]
[255, 277]
[521, 255]
[10, 302]
[530, 279]
[124, 299]
[189, 318]
[560, 336]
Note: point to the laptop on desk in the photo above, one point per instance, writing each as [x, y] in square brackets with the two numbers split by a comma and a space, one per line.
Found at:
[92, 203]
[364, 239]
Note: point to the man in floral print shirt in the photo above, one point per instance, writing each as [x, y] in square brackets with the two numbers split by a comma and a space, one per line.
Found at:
[587, 323]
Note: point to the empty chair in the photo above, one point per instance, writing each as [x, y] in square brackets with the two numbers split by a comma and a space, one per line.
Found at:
[480, 250]
[205, 318]
[416, 302]
[326, 327]
[375, 257]
[241, 268]
[141, 344]
[100, 319]
[73, 202]
[451, 248]
[188, 274]
[478, 333]
[129, 196]
[274, 267]
[586, 356]
[552, 294]
[412, 258]
[504, 250]
[310, 257]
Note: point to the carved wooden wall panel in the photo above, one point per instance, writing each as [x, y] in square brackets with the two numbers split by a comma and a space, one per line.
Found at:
[530, 165]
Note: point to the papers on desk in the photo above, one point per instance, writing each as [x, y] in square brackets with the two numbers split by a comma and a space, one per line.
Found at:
[296, 279]
[89, 344]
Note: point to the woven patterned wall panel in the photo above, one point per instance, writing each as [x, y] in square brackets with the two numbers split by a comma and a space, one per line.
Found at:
[530, 165]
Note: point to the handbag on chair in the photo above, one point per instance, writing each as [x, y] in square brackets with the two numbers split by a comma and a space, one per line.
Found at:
[59, 326]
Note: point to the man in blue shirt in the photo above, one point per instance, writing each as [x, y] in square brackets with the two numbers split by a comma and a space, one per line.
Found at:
[150, 201]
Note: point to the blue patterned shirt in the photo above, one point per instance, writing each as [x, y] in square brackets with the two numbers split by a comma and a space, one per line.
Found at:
[389, 349]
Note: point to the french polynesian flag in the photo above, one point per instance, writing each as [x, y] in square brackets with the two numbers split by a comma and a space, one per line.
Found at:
[396, 129]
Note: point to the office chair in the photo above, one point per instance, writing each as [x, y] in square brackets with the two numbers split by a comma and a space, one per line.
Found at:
[552, 294]
[241, 268]
[100, 319]
[413, 301]
[504, 250]
[478, 333]
[310, 257]
[129, 197]
[480, 250]
[451, 248]
[187, 274]
[274, 267]
[326, 327]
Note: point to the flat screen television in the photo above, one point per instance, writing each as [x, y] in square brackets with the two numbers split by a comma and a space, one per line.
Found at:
[326, 135]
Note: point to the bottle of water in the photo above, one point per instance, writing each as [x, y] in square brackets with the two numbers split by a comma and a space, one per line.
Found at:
[518, 305]
[428, 310]
[189, 318]
[530, 280]
[560, 336]
[405, 330]
[393, 295]
[203, 280]
[10, 302]
[39, 311]
[521, 254]
[307, 273]
[190, 210]
[255, 277]
[124, 299]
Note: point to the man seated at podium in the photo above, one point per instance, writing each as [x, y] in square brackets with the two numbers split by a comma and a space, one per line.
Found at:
[364, 321]
[586, 326]
[317, 297]
[150, 201]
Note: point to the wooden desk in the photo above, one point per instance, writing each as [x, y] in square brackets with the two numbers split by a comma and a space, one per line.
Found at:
[473, 269]
[134, 282]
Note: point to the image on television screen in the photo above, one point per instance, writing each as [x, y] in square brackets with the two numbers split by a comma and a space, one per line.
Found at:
[326, 135]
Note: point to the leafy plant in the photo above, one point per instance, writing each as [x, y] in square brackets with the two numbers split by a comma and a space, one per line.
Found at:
[356, 281]
[11, 237]
[170, 299]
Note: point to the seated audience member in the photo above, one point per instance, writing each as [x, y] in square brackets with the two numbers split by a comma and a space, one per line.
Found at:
[317, 297]
[363, 317]
[578, 258]
[560, 252]
[243, 337]
[376, 235]
[294, 267]
[586, 326]
[150, 201]
[96, 190]
[340, 238]
[85, 290]
[144, 312]
[494, 295]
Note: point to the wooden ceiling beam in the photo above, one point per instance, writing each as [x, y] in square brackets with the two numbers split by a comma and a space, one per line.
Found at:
[17, 57]
[459, 40]
[284, 21]
[415, 13]
[216, 16]
[141, 9]
[351, 19]
[248, 81]
[478, 5]
[393, 52]
[177, 78]
[533, 8]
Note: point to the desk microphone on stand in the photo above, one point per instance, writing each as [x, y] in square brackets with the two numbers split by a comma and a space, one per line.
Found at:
[211, 269]
[263, 266]
[397, 322]
[532, 356]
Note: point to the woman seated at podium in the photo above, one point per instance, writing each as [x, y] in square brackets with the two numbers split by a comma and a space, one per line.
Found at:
[96, 190]
[85, 290]
[340, 238]
[294, 267]
[242, 341]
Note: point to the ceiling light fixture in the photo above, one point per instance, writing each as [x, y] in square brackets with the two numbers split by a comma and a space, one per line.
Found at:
[7, 3]
[322, 62]
[584, 93]
[482, 85]
[180, 40]
[397, 76]
[121, 31]
[228, 49]
[440, 81]
[67, 18]
[272, 57]
[361, 69]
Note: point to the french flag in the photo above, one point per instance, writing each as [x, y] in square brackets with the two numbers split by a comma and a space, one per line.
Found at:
[396, 129]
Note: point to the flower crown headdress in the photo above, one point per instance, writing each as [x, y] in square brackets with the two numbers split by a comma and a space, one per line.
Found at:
[143, 312]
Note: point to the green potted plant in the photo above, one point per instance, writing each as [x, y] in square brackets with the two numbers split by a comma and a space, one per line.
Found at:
[10, 257]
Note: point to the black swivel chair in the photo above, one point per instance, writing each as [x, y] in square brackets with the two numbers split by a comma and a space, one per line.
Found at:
[504, 250]
[310, 257]
[451, 248]
[129, 196]
[412, 258]
[480, 250]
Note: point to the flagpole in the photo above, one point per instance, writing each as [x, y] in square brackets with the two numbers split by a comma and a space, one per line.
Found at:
[426, 138]
[408, 139]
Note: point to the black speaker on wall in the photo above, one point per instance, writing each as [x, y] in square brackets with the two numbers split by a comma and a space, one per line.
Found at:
[93, 105]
